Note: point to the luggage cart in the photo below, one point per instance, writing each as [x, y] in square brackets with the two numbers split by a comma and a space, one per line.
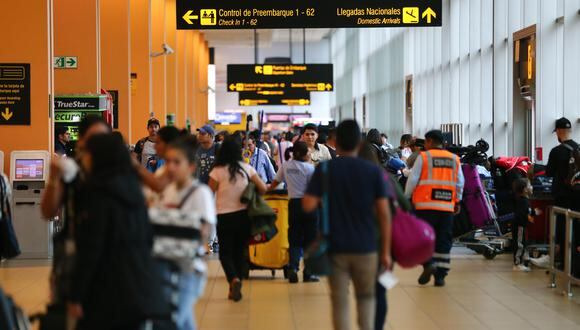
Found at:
[273, 255]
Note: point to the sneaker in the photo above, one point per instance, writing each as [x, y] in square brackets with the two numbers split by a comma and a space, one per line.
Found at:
[292, 276]
[541, 262]
[521, 268]
[236, 290]
[426, 275]
[311, 279]
[439, 282]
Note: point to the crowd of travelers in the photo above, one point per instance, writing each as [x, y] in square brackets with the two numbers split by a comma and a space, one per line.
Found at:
[138, 220]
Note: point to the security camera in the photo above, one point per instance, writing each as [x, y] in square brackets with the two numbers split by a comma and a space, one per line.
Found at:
[167, 50]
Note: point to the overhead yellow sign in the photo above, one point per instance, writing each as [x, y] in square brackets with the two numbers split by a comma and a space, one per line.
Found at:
[268, 14]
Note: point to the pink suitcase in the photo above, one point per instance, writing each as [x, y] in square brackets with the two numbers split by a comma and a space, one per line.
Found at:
[475, 198]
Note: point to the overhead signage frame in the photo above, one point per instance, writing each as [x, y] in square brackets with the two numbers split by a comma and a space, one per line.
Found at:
[301, 77]
[268, 14]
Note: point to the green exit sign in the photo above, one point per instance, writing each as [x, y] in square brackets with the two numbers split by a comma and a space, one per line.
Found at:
[66, 62]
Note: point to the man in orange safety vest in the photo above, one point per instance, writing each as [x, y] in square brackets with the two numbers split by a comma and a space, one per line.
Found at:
[435, 186]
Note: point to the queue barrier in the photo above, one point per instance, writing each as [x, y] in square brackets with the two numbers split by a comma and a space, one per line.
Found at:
[566, 274]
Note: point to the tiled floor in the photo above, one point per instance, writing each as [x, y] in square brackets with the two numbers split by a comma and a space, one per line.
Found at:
[480, 295]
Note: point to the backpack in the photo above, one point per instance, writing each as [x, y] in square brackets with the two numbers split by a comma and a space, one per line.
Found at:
[573, 178]
[382, 155]
[177, 234]
[9, 247]
[11, 316]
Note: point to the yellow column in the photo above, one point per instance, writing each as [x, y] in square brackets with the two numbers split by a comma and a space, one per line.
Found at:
[140, 68]
[76, 30]
[28, 43]
[158, 63]
[190, 78]
[181, 53]
[116, 58]
[172, 63]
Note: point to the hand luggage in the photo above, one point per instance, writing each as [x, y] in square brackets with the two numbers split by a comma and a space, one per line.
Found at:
[413, 240]
[11, 316]
[475, 200]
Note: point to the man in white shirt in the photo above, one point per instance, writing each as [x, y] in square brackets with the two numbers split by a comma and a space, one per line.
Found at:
[318, 152]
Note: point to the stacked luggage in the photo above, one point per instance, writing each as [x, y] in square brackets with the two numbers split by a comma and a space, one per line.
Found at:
[477, 227]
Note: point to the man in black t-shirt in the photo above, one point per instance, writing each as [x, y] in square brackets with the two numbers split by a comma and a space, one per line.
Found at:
[559, 165]
[357, 199]
[558, 168]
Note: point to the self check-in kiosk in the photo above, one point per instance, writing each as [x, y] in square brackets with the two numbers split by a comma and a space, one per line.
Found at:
[28, 175]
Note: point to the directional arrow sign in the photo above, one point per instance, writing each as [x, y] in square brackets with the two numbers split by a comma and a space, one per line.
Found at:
[189, 17]
[66, 62]
[7, 114]
[430, 14]
[71, 62]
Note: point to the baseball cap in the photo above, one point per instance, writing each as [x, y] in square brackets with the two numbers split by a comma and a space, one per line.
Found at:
[563, 123]
[207, 129]
[153, 121]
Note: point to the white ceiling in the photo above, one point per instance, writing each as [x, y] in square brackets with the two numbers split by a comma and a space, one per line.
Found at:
[245, 38]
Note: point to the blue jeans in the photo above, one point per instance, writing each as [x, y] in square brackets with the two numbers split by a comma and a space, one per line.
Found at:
[191, 286]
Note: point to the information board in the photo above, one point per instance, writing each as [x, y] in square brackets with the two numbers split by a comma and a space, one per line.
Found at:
[305, 77]
[268, 14]
[282, 97]
[14, 94]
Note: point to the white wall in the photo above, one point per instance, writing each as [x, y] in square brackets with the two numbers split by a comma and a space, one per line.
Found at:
[317, 53]
[463, 71]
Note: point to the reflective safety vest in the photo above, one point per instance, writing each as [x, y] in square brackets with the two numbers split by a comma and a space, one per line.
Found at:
[437, 187]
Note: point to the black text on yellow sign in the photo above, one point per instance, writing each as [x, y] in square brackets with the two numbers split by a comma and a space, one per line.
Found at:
[281, 97]
[268, 14]
[304, 77]
[14, 94]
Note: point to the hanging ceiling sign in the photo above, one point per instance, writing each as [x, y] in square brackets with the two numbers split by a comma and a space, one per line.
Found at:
[268, 14]
[282, 97]
[255, 78]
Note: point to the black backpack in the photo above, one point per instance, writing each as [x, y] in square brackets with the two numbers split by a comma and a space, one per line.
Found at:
[573, 178]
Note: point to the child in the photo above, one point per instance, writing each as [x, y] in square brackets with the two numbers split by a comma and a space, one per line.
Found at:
[191, 197]
[523, 214]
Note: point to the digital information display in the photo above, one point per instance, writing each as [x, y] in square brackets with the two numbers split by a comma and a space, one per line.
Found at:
[228, 118]
[29, 169]
[268, 14]
[282, 97]
[255, 78]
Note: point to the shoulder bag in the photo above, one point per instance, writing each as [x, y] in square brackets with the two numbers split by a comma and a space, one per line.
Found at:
[262, 216]
[316, 257]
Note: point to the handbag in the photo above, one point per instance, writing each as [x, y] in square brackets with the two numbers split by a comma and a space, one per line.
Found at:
[316, 257]
[9, 247]
[262, 216]
[177, 234]
[413, 240]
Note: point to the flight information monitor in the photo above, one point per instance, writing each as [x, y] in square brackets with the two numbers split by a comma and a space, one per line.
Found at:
[269, 14]
[255, 78]
[282, 97]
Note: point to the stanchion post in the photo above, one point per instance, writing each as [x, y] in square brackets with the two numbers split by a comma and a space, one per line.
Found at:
[552, 248]
[568, 254]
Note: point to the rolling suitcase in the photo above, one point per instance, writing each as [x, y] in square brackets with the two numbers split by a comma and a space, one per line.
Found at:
[273, 255]
[475, 198]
